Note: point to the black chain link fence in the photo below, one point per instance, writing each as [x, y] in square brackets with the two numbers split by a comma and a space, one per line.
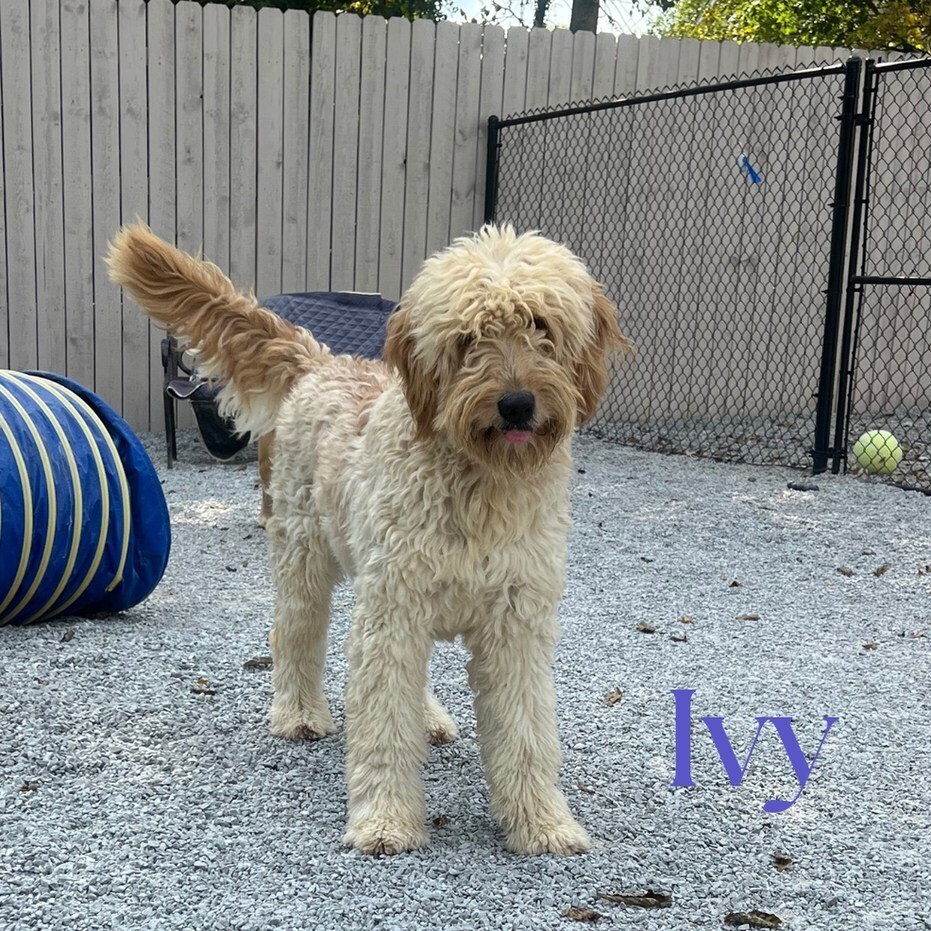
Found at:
[891, 384]
[721, 219]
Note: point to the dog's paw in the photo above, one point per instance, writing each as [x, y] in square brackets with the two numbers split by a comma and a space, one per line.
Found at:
[442, 733]
[301, 723]
[561, 837]
[383, 837]
[439, 726]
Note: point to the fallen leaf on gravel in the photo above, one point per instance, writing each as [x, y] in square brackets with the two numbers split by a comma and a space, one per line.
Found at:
[644, 899]
[781, 861]
[257, 662]
[440, 821]
[687, 619]
[734, 584]
[230, 568]
[918, 635]
[925, 569]
[648, 559]
[67, 636]
[881, 570]
[581, 914]
[645, 628]
[748, 617]
[755, 919]
[678, 638]
[197, 690]
[586, 789]
[29, 787]
[845, 570]
[613, 697]
[870, 645]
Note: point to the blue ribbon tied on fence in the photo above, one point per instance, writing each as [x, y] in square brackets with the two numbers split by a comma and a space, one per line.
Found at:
[749, 170]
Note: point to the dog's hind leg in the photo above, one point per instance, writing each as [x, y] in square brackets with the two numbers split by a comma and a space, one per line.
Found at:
[305, 573]
[439, 724]
[515, 710]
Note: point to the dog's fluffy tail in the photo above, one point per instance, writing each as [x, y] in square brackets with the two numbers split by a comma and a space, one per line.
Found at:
[258, 355]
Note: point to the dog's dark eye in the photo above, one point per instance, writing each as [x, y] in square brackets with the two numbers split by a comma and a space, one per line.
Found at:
[539, 324]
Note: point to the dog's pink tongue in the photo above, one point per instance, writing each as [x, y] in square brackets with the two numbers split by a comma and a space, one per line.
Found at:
[517, 436]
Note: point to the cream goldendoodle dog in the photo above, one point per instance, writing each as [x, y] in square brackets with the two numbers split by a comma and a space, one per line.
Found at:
[439, 483]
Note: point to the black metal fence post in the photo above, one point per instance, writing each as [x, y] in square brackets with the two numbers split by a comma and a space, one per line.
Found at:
[491, 169]
[853, 290]
[836, 277]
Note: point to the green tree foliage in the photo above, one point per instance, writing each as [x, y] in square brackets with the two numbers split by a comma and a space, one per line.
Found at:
[903, 25]
[409, 9]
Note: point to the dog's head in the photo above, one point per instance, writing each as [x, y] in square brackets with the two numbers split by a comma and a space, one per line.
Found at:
[502, 344]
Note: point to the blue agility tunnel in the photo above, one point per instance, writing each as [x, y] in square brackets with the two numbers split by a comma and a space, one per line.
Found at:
[83, 521]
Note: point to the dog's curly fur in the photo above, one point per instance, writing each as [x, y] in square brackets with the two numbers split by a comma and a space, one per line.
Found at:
[438, 480]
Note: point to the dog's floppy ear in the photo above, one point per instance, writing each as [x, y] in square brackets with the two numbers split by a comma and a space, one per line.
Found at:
[592, 371]
[420, 385]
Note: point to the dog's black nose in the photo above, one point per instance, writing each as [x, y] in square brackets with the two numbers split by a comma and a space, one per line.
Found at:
[516, 409]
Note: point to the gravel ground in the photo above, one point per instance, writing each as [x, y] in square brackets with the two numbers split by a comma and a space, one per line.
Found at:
[141, 790]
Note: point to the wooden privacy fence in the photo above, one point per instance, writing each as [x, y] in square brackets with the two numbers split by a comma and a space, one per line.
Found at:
[301, 154]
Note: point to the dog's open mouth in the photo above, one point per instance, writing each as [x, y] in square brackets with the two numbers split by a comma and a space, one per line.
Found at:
[516, 437]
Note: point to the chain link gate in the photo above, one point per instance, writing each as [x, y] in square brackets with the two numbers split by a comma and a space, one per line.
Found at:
[887, 319]
[721, 218]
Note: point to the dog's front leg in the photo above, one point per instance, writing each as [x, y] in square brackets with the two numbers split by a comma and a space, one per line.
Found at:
[515, 708]
[385, 740]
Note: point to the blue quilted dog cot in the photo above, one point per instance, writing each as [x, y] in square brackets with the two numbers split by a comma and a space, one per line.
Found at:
[83, 521]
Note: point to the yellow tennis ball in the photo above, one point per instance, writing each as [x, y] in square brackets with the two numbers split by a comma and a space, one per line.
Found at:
[877, 452]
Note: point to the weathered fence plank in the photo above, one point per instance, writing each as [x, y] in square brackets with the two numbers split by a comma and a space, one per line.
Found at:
[462, 205]
[78, 194]
[49, 214]
[216, 185]
[134, 201]
[295, 134]
[419, 114]
[442, 136]
[490, 104]
[270, 127]
[105, 155]
[345, 152]
[243, 143]
[371, 125]
[20, 210]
